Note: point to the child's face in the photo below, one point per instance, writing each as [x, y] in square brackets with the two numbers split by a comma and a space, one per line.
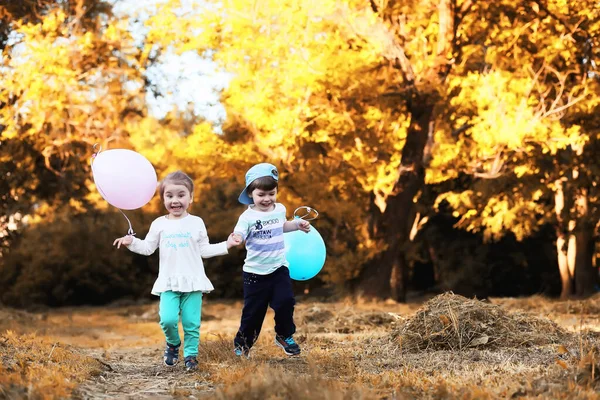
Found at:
[264, 200]
[177, 200]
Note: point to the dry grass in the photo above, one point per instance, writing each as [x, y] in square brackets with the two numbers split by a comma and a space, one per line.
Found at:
[540, 304]
[34, 368]
[279, 383]
[320, 319]
[351, 350]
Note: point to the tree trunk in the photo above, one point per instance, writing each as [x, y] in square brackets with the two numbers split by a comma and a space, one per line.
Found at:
[388, 277]
[566, 275]
[565, 241]
[585, 274]
[575, 243]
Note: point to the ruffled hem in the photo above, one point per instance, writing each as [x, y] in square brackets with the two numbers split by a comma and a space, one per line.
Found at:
[181, 284]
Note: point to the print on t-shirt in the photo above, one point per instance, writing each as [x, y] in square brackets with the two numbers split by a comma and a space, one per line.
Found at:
[179, 239]
[259, 233]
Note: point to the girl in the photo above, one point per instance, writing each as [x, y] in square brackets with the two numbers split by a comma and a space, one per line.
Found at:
[183, 242]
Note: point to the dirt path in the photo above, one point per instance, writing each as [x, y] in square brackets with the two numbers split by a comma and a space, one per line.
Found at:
[348, 351]
[129, 343]
[136, 373]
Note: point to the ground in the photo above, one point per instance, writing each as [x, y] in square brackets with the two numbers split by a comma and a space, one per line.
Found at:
[448, 347]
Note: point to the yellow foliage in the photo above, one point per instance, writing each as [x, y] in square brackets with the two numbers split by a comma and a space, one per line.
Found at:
[313, 90]
[496, 215]
[282, 57]
[316, 89]
[505, 115]
[61, 89]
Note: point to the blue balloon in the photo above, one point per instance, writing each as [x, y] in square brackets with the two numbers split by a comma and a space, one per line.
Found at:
[305, 253]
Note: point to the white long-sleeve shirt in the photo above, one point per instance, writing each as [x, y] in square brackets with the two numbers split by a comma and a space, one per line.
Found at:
[183, 243]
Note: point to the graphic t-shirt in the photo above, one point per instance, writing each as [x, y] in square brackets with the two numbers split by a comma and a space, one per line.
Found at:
[183, 243]
[263, 233]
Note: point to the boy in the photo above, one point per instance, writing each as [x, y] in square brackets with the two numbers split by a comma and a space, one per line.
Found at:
[266, 276]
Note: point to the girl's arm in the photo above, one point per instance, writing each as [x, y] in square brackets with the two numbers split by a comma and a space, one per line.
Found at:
[207, 249]
[148, 245]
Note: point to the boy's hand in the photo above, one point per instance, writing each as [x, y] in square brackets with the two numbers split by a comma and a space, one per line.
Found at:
[234, 239]
[125, 240]
[303, 225]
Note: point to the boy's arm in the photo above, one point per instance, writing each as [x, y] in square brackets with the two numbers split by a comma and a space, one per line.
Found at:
[241, 229]
[296, 224]
[149, 244]
[290, 226]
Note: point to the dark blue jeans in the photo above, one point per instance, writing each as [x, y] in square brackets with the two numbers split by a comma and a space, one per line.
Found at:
[260, 292]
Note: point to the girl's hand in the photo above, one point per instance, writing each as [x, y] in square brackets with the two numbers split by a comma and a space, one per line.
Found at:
[303, 225]
[234, 239]
[125, 240]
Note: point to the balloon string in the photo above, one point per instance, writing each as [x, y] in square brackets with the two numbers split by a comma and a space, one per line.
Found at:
[309, 210]
[130, 232]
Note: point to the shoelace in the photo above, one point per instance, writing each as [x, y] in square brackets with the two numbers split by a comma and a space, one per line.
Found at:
[290, 341]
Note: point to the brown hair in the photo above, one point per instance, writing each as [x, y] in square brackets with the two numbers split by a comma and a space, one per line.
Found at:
[176, 178]
[263, 183]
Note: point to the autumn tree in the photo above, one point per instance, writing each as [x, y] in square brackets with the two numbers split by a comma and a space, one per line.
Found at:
[371, 101]
[29, 11]
[71, 76]
[537, 167]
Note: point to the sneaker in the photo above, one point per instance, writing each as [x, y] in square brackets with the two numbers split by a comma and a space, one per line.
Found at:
[288, 345]
[191, 364]
[171, 355]
[242, 351]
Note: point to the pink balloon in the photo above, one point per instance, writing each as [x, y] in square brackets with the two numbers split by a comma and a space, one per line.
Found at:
[126, 179]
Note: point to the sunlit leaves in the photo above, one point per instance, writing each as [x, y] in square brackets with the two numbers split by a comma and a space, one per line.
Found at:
[526, 102]
[70, 78]
[67, 85]
[303, 94]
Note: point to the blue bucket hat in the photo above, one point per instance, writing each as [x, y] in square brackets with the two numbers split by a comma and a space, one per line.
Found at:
[257, 171]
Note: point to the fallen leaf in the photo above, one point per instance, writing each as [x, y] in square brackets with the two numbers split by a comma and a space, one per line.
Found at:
[445, 320]
[562, 364]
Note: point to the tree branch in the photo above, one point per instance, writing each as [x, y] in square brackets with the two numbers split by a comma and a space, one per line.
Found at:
[460, 130]
[496, 170]
[391, 48]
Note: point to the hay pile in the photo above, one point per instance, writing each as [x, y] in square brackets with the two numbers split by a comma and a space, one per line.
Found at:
[453, 322]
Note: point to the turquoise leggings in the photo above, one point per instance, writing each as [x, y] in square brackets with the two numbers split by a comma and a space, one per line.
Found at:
[189, 305]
